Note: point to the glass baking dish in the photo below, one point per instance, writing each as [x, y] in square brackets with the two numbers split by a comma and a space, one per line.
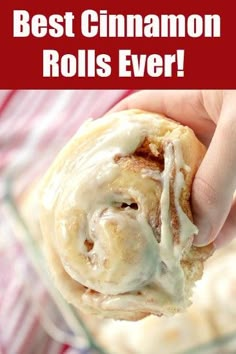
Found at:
[68, 325]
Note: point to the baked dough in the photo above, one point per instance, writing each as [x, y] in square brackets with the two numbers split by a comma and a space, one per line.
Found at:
[153, 335]
[116, 219]
[216, 293]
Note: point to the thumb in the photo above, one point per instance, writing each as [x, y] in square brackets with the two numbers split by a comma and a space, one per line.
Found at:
[215, 181]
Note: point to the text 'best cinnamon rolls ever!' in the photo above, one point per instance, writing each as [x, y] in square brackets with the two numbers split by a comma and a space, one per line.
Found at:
[116, 219]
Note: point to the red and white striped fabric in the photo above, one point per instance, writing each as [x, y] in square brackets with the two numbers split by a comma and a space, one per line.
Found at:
[34, 125]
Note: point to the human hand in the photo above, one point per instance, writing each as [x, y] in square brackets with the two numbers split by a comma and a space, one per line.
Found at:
[212, 116]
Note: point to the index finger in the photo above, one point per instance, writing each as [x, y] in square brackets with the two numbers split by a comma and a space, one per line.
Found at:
[184, 106]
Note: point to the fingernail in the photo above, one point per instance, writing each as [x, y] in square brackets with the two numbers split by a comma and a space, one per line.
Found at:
[203, 237]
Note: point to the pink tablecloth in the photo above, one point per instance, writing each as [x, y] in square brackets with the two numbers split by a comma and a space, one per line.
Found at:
[34, 125]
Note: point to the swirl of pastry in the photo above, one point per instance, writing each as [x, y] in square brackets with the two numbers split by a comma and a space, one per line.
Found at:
[116, 218]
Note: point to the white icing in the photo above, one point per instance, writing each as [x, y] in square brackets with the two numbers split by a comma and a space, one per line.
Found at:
[186, 226]
[86, 183]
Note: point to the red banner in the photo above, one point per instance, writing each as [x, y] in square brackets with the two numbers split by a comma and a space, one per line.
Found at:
[122, 44]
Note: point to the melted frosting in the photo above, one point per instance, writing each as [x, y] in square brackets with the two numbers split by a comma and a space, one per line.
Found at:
[109, 249]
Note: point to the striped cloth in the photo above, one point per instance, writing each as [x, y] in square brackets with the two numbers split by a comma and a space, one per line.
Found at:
[34, 125]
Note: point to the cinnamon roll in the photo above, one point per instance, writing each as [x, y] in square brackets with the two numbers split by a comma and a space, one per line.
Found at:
[216, 292]
[116, 219]
[153, 335]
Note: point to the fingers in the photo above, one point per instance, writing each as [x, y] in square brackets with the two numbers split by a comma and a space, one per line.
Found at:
[184, 106]
[176, 104]
[228, 231]
[215, 181]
